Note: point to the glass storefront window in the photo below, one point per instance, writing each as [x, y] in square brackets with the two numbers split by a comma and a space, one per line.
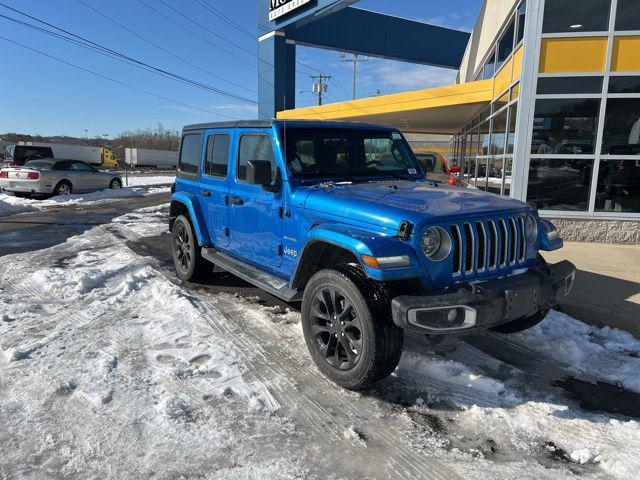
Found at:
[498, 133]
[624, 84]
[511, 136]
[522, 10]
[565, 126]
[572, 16]
[508, 164]
[628, 15]
[505, 45]
[494, 178]
[566, 85]
[622, 127]
[560, 183]
[483, 147]
[618, 186]
[490, 66]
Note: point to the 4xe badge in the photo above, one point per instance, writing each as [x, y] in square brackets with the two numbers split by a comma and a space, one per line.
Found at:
[291, 252]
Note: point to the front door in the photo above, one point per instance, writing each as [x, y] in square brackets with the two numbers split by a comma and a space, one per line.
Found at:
[255, 214]
[214, 185]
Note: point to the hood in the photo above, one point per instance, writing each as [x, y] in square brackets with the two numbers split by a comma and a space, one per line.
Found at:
[389, 203]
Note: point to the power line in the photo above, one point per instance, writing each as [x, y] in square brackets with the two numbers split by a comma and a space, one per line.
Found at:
[177, 57]
[113, 53]
[226, 19]
[188, 30]
[116, 81]
[215, 34]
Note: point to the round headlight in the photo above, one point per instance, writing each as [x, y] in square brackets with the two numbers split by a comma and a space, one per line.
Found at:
[531, 228]
[436, 244]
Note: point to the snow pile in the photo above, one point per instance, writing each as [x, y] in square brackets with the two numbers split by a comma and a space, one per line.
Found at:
[108, 369]
[12, 205]
[145, 181]
[605, 353]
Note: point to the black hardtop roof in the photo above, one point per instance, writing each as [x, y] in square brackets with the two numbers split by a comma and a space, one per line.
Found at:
[290, 123]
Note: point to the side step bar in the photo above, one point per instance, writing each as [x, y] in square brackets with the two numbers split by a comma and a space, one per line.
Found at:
[263, 280]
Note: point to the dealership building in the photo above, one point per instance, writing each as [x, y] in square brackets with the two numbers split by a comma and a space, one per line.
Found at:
[546, 107]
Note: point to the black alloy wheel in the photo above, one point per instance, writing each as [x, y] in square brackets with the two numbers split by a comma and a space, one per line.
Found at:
[187, 258]
[184, 246]
[336, 328]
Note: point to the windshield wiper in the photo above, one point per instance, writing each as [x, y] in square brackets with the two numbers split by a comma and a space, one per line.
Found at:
[329, 173]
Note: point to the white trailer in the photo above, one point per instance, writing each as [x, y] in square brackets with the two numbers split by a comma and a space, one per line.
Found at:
[146, 158]
[91, 155]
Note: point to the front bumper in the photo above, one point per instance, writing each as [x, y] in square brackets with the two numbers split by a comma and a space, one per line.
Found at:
[483, 305]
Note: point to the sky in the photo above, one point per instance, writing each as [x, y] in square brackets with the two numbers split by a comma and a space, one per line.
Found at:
[40, 95]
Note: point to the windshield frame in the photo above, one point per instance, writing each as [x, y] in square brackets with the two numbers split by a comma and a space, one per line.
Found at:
[291, 135]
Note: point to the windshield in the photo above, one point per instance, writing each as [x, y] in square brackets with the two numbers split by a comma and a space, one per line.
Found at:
[349, 153]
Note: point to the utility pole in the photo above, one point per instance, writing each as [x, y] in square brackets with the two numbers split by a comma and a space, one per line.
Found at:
[355, 58]
[320, 88]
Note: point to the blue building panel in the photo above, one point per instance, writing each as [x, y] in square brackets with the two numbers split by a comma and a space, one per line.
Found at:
[335, 25]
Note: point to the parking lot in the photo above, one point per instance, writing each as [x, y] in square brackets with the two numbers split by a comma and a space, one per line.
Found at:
[113, 366]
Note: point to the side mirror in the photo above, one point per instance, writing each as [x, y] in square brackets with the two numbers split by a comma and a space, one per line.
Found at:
[259, 172]
[455, 169]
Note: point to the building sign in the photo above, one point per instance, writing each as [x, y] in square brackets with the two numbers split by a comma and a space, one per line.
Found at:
[280, 8]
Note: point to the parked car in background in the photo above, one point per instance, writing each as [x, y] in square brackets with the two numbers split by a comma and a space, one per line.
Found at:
[17, 155]
[57, 177]
[96, 156]
[436, 168]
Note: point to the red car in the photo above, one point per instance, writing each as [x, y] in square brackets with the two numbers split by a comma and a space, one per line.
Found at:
[436, 168]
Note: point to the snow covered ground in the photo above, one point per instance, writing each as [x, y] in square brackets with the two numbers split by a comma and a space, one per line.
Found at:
[12, 205]
[110, 368]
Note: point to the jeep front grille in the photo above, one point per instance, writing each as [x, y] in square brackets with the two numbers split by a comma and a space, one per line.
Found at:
[487, 245]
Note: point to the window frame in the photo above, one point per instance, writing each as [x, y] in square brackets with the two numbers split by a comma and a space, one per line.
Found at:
[180, 171]
[205, 173]
[237, 163]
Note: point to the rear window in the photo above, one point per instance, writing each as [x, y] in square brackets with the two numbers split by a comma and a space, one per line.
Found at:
[190, 153]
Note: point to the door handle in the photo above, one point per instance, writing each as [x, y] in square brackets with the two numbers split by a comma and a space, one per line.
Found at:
[236, 201]
[205, 193]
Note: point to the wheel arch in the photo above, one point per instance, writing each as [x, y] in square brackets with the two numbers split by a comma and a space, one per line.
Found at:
[319, 254]
[184, 203]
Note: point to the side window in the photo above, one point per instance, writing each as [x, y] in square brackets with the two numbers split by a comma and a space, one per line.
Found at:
[66, 165]
[190, 153]
[255, 147]
[81, 167]
[217, 162]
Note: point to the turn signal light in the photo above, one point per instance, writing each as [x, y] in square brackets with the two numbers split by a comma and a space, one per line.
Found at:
[386, 262]
[33, 175]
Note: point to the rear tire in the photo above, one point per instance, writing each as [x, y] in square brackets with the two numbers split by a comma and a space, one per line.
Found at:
[521, 324]
[115, 184]
[187, 257]
[348, 329]
[63, 188]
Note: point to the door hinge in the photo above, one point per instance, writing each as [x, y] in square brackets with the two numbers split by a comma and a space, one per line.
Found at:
[278, 249]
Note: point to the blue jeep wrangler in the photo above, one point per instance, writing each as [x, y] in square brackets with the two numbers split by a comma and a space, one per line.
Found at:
[341, 217]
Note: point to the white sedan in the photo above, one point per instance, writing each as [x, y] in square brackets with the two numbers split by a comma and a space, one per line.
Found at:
[57, 177]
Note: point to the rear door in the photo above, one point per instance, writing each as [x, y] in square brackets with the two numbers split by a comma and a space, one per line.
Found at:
[214, 181]
[255, 214]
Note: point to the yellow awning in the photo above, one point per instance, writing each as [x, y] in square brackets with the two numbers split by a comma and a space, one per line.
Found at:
[443, 109]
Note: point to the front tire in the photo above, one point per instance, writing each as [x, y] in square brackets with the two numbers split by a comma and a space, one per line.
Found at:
[115, 184]
[348, 328]
[187, 258]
